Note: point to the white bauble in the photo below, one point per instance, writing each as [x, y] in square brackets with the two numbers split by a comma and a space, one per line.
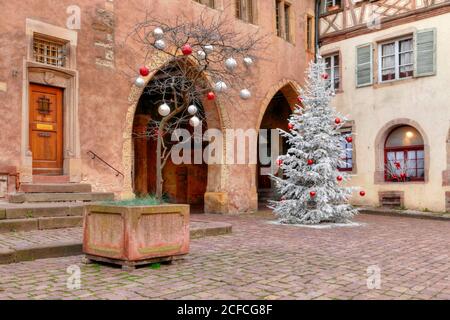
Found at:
[140, 82]
[158, 33]
[245, 94]
[201, 55]
[231, 64]
[248, 61]
[192, 110]
[164, 110]
[208, 48]
[220, 86]
[160, 44]
[194, 122]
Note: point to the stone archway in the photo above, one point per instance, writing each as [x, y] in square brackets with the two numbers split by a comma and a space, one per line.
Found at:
[380, 140]
[216, 115]
[274, 115]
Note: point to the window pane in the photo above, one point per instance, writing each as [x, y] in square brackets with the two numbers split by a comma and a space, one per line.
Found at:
[406, 71]
[406, 45]
[406, 58]
[391, 156]
[399, 155]
[405, 136]
[421, 164]
[420, 173]
[388, 62]
[411, 173]
[420, 154]
[388, 74]
[411, 164]
[388, 49]
[412, 155]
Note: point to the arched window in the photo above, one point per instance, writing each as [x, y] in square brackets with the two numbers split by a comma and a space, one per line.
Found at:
[404, 155]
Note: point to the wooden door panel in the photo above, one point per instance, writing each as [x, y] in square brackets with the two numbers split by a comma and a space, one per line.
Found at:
[44, 146]
[46, 126]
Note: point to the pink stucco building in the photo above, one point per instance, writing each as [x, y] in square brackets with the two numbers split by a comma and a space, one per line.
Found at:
[64, 98]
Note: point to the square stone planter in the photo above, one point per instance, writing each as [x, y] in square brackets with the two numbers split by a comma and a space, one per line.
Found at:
[132, 236]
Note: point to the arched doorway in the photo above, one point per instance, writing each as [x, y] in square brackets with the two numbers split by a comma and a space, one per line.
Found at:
[183, 183]
[275, 117]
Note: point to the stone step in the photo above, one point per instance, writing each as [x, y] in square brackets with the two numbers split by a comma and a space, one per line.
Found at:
[55, 188]
[50, 179]
[60, 197]
[45, 223]
[41, 211]
[44, 244]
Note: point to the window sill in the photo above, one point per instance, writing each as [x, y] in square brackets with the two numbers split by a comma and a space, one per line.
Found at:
[392, 183]
[393, 82]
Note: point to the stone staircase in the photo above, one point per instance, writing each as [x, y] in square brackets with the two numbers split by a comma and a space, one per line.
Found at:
[58, 192]
[44, 206]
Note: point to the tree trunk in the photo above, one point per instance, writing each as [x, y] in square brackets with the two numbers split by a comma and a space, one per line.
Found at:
[159, 177]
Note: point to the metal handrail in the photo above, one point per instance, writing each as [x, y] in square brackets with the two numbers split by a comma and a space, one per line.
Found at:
[94, 156]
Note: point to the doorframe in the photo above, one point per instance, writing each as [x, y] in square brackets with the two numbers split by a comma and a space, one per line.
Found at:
[66, 78]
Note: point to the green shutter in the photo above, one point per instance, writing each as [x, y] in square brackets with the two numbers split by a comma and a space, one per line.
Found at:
[425, 58]
[364, 65]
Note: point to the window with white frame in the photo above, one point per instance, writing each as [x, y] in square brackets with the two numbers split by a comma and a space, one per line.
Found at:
[332, 69]
[396, 60]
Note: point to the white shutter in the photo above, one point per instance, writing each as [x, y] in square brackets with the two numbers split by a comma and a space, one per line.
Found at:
[364, 65]
[425, 53]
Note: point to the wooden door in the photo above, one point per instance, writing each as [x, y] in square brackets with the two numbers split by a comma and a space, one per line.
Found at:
[182, 184]
[46, 129]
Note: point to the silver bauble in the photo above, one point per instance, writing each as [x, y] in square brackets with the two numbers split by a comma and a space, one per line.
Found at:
[248, 61]
[208, 48]
[164, 110]
[220, 87]
[245, 94]
[201, 55]
[192, 110]
[194, 122]
[158, 33]
[231, 64]
[140, 82]
[160, 44]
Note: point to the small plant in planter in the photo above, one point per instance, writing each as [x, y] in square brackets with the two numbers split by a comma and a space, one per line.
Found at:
[135, 232]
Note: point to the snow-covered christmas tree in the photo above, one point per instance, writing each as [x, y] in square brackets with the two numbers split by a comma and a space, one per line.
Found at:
[311, 188]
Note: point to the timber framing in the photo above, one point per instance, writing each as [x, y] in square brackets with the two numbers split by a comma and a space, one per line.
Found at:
[353, 21]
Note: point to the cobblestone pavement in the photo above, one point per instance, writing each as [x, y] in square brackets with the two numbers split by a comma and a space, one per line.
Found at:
[266, 261]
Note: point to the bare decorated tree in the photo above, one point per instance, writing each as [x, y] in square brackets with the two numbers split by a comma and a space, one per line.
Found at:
[208, 60]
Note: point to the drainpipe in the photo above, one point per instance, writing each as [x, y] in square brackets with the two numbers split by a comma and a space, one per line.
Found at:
[317, 36]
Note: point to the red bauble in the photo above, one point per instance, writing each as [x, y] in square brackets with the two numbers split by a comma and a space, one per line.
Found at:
[211, 96]
[310, 162]
[349, 139]
[337, 121]
[325, 76]
[186, 49]
[362, 194]
[144, 71]
[290, 126]
[340, 178]
[279, 162]
[300, 99]
[312, 194]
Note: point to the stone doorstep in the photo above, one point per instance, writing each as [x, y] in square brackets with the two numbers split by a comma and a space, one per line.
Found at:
[45, 223]
[405, 213]
[64, 249]
[55, 188]
[60, 197]
[27, 212]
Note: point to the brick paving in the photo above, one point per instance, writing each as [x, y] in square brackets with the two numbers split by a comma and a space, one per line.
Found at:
[266, 261]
